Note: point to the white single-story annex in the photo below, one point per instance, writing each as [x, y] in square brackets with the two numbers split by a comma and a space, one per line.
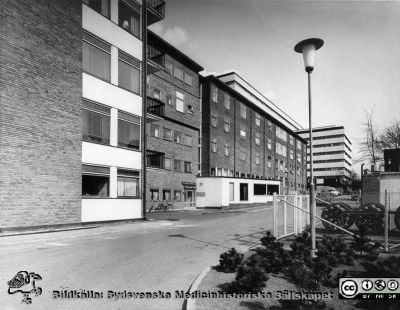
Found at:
[219, 191]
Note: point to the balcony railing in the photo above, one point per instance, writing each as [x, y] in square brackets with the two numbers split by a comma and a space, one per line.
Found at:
[155, 56]
[155, 159]
[155, 106]
[158, 6]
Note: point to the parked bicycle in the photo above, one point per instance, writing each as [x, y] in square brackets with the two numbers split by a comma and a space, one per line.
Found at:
[161, 207]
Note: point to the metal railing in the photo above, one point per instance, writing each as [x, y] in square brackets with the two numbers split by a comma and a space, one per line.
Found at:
[155, 106]
[158, 6]
[155, 56]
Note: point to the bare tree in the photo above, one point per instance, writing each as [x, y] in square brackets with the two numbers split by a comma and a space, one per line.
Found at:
[390, 138]
[370, 145]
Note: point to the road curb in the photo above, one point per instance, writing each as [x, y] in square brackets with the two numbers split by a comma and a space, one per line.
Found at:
[189, 304]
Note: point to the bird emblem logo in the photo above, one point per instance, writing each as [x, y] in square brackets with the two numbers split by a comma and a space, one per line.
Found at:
[25, 283]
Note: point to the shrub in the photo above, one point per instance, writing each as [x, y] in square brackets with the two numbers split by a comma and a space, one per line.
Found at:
[230, 260]
[302, 276]
[386, 268]
[250, 277]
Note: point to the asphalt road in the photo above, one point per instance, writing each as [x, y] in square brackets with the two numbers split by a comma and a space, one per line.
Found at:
[166, 254]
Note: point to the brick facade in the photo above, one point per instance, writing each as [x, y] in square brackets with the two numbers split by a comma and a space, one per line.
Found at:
[254, 164]
[40, 119]
[186, 122]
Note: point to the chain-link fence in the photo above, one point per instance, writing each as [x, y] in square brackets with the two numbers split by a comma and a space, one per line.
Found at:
[290, 214]
[374, 214]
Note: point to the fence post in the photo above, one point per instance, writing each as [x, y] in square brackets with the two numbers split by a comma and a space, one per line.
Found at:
[386, 223]
[274, 210]
[285, 216]
[295, 214]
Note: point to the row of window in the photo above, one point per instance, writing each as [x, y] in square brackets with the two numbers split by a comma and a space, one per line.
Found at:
[96, 59]
[128, 13]
[96, 126]
[178, 100]
[165, 133]
[169, 195]
[179, 73]
[96, 182]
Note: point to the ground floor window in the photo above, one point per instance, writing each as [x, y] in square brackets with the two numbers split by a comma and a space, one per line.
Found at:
[260, 189]
[154, 194]
[166, 194]
[95, 181]
[128, 183]
[177, 195]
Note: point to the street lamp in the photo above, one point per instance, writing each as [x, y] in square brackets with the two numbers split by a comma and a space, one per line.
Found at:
[307, 48]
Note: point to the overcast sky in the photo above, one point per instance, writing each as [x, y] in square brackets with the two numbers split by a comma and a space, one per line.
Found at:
[356, 69]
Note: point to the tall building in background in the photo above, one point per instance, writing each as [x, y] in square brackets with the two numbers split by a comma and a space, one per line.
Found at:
[246, 139]
[71, 110]
[173, 125]
[331, 155]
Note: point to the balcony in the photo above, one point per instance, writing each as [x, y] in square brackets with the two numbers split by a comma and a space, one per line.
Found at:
[155, 60]
[155, 159]
[155, 11]
[155, 108]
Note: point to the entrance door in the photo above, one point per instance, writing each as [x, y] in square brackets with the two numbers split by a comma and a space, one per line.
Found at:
[189, 197]
[231, 192]
[244, 191]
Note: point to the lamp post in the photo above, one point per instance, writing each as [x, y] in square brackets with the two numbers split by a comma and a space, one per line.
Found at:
[307, 48]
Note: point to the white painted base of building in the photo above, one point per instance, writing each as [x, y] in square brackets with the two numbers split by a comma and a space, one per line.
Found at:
[223, 191]
[94, 210]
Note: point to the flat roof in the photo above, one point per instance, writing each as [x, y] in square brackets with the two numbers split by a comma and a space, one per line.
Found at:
[156, 40]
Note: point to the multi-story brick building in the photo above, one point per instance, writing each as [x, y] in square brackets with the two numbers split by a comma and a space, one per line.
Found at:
[173, 125]
[72, 99]
[331, 156]
[242, 138]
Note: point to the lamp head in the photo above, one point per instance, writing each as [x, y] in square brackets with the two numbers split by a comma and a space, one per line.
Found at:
[307, 48]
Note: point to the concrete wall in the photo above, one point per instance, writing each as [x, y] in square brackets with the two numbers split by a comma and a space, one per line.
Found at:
[40, 118]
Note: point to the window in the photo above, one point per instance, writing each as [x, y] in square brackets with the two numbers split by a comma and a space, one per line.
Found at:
[95, 123]
[169, 99]
[167, 134]
[269, 127]
[227, 124]
[180, 105]
[214, 145]
[219, 172]
[227, 101]
[214, 118]
[154, 194]
[281, 165]
[243, 131]
[188, 167]
[257, 138]
[188, 79]
[281, 149]
[257, 158]
[291, 140]
[128, 131]
[269, 144]
[96, 57]
[129, 17]
[178, 165]
[298, 157]
[276, 164]
[190, 109]
[243, 111]
[281, 134]
[242, 154]
[168, 67]
[95, 181]
[157, 94]
[214, 93]
[269, 162]
[226, 149]
[260, 189]
[167, 163]
[177, 195]
[188, 140]
[128, 183]
[100, 6]
[291, 154]
[212, 172]
[178, 73]
[166, 194]
[128, 73]
[258, 119]
[155, 130]
[298, 144]
[178, 137]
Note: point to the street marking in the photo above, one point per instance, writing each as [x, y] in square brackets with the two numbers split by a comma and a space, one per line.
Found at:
[57, 244]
